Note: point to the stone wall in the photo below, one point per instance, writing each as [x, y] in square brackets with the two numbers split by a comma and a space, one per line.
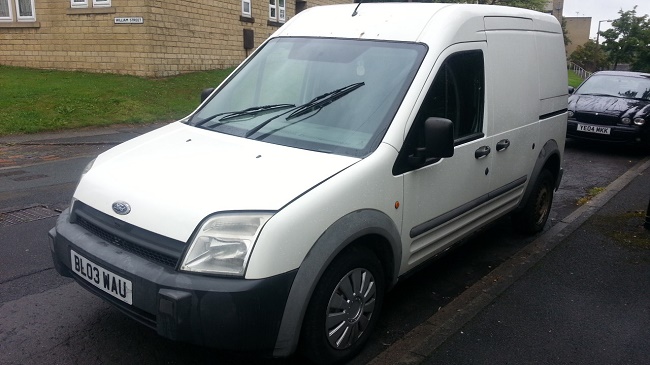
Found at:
[578, 32]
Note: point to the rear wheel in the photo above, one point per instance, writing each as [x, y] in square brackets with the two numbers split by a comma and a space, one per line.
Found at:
[532, 218]
[344, 307]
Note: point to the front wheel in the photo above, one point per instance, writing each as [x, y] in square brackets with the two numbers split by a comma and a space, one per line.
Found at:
[344, 307]
[532, 218]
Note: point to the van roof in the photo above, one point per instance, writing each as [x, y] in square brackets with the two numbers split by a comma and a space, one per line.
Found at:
[405, 21]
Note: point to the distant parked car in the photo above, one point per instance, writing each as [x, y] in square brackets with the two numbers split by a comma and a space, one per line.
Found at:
[611, 106]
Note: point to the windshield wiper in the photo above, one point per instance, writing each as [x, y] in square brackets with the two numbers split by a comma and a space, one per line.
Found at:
[324, 100]
[256, 110]
[248, 111]
[316, 103]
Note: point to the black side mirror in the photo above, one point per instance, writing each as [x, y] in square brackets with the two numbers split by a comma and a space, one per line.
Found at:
[439, 137]
[205, 93]
[438, 142]
[571, 90]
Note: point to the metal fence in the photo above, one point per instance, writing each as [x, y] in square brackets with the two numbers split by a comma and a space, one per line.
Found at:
[578, 70]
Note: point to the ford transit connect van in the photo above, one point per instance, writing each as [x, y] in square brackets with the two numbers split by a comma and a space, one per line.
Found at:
[357, 143]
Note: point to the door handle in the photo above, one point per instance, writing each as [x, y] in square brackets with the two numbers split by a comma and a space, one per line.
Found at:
[481, 152]
[502, 145]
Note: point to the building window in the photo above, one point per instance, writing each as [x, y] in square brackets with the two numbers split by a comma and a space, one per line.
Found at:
[101, 3]
[277, 11]
[85, 3]
[24, 10]
[5, 11]
[79, 3]
[246, 8]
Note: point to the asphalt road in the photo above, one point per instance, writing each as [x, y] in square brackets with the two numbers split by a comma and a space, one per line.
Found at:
[45, 318]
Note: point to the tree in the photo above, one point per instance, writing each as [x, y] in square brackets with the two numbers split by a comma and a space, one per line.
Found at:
[590, 56]
[628, 38]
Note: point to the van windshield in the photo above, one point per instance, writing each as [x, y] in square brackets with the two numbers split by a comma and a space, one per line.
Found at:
[331, 95]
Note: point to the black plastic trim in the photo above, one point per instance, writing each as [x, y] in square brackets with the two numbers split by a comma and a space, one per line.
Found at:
[446, 217]
[226, 313]
[553, 114]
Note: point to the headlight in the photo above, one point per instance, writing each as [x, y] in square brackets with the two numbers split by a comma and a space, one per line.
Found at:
[570, 113]
[639, 121]
[626, 120]
[223, 243]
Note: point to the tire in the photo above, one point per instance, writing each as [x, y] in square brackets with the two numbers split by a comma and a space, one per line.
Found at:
[532, 218]
[344, 307]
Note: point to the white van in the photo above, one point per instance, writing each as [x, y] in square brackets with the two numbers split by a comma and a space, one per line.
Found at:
[357, 142]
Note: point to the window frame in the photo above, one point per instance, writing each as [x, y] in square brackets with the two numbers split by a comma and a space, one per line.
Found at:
[10, 17]
[102, 3]
[449, 70]
[25, 18]
[244, 13]
[77, 4]
[85, 4]
[280, 8]
[415, 136]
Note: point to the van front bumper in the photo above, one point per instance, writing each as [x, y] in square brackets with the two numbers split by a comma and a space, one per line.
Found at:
[220, 312]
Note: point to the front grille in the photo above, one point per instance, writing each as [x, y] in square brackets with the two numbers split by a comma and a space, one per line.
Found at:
[146, 244]
[600, 119]
[126, 245]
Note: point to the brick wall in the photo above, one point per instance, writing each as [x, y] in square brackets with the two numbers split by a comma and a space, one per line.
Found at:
[176, 36]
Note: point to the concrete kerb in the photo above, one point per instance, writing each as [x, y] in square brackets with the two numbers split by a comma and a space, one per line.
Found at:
[78, 133]
[422, 341]
[86, 138]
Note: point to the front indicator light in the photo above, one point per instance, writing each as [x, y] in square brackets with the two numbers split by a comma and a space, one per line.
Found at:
[223, 243]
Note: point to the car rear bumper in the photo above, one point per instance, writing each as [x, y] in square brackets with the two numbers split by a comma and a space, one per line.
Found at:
[220, 312]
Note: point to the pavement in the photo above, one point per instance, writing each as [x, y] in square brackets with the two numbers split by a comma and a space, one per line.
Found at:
[578, 294]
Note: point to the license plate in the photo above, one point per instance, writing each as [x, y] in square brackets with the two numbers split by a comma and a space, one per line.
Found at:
[593, 129]
[101, 278]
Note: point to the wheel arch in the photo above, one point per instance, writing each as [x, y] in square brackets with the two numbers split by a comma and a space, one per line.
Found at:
[549, 158]
[369, 228]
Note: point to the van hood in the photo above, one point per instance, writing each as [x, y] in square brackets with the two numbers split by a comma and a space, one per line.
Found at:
[176, 176]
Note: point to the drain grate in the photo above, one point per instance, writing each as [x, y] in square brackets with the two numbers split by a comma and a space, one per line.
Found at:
[26, 215]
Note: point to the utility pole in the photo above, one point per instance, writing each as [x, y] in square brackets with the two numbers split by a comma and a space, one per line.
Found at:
[598, 33]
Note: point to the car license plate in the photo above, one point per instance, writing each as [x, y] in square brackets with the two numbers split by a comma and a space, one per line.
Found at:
[101, 278]
[593, 129]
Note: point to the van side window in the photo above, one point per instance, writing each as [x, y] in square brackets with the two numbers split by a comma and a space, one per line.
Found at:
[457, 94]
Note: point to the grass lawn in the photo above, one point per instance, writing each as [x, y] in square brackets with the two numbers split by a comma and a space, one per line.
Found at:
[34, 101]
[574, 79]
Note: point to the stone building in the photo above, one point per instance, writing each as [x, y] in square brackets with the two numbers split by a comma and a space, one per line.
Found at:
[555, 8]
[152, 38]
[577, 31]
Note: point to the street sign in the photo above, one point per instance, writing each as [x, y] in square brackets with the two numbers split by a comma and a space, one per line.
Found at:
[129, 20]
